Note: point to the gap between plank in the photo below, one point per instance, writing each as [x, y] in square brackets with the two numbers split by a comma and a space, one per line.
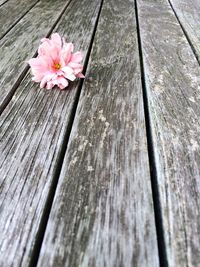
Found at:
[4, 3]
[45, 216]
[26, 68]
[12, 26]
[185, 33]
[151, 152]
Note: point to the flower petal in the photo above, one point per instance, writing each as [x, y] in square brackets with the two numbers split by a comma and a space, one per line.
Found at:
[68, 73]
[43, 82]
[62, 82]
[77, 57]
[80, 75]
[56, 63]
[50, 85]
[67, 52]
[55, 37]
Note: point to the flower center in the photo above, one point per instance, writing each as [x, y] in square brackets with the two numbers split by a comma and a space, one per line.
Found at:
[57, 66]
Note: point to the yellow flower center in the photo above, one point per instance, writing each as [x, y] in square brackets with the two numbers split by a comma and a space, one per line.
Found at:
[57, 66]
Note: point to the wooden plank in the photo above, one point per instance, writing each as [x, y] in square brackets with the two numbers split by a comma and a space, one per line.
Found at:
[21, 43]
[3, 2]
[33, 128]
[188, 13]
[173, 91]
[11, 12]
[103, 213]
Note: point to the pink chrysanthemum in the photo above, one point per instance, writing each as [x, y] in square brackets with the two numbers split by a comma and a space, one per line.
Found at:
[56, 63]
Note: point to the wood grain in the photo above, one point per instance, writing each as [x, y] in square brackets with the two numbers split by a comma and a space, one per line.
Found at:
[173, 90]
[15, 10]
[33, 129]
[103, 213]
[22, 41]
[188, 13]
[3, 1]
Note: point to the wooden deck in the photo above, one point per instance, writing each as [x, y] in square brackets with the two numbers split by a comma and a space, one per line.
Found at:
[107, 172]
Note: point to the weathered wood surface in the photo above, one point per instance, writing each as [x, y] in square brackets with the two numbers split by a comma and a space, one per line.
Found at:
[33, 128]
[3, 2]
[103, 213]
[172, 78]
[22, 41]
[15, 10]
[188, 13]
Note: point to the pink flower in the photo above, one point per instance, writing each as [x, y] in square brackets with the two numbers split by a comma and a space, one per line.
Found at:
[56, 63]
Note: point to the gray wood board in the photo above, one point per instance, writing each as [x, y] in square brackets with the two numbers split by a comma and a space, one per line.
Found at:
[12, 11]
[188, 13]
[3, 2]
[22, 41]
[102, 214]
[33, 128]
[172, 77]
